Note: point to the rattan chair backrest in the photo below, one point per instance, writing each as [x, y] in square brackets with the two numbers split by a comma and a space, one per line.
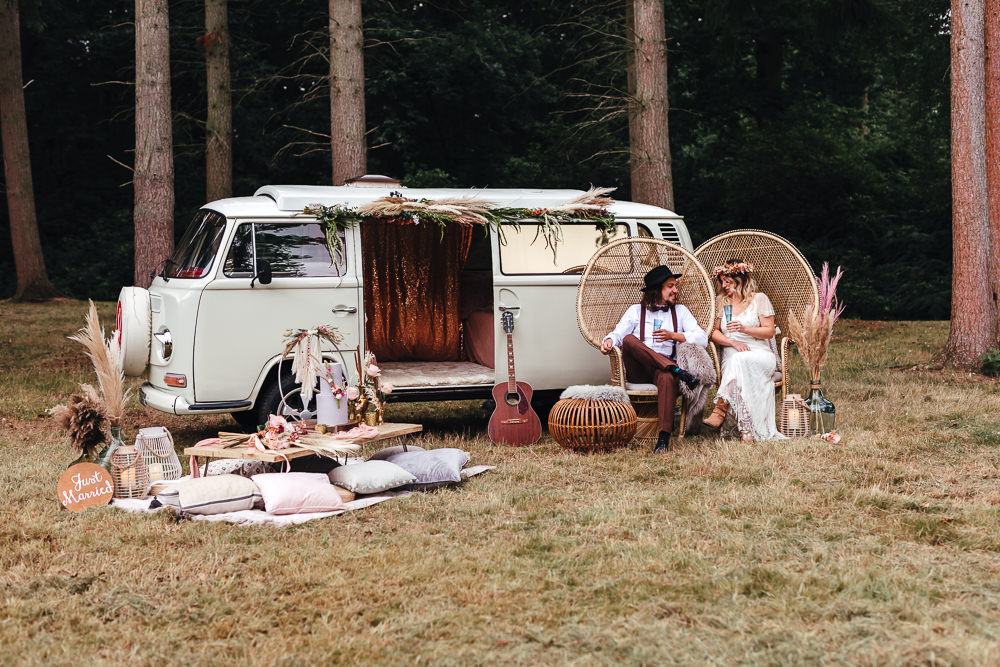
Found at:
[780, 270]
[612, 281]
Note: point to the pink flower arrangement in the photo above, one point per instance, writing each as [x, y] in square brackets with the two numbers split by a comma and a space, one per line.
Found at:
[829, 305]
[812, 329]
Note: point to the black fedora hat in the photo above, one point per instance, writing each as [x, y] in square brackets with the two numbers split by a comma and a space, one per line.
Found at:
[656, 277]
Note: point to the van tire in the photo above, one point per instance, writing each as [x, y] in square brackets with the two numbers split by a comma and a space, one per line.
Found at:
[247, 419]
[133, 321]
[270, 398]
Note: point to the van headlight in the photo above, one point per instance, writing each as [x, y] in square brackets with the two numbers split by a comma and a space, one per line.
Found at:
[166, 342]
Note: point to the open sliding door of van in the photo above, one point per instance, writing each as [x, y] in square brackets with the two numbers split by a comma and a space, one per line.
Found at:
[540, 291]
[241, 327]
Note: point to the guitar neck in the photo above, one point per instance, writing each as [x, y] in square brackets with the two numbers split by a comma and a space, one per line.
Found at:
[511, 382]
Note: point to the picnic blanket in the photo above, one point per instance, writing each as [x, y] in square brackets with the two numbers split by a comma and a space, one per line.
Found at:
[262, 518]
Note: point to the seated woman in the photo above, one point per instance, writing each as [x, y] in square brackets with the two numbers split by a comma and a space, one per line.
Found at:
[748, 363]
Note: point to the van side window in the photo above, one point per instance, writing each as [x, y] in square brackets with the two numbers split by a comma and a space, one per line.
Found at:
[525, 253]
[297, 249]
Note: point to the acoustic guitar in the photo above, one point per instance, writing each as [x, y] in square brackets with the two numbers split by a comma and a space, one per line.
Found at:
[513, 421]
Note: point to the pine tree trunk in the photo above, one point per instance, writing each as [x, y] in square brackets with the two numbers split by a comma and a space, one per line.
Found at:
[973, 312]
[32, 280]
[219, 121]
[154, 163]
[993, 151]
[649, 137]
[347, 91]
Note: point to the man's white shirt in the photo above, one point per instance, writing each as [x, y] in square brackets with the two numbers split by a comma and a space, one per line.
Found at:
[686, 324]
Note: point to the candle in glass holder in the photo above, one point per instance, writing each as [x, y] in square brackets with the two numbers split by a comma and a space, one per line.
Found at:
[128, 479]
[156, 472]
[794, 419]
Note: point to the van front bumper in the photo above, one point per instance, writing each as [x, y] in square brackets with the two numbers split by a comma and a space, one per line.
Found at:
[166, 401]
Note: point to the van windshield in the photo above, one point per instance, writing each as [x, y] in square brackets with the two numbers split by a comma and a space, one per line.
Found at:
[196, 250]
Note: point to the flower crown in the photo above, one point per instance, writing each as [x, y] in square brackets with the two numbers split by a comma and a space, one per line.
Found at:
[732, 268]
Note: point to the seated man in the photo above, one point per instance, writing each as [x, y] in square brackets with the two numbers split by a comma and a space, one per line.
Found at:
[647, 353]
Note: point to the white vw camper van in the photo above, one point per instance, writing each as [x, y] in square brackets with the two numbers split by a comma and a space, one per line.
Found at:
[207, 334]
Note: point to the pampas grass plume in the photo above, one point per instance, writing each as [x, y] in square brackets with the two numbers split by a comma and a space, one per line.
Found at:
[106, 357]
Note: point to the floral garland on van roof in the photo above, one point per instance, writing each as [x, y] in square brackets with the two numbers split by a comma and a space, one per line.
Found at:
[591, 206]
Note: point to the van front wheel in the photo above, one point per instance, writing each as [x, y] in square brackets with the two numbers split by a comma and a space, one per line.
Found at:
[269, 401]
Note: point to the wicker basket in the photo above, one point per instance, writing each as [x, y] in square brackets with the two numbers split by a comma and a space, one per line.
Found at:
[794, 417]
[588, 425]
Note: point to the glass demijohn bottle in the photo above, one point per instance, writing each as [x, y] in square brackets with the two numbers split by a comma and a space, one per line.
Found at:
[822, 413]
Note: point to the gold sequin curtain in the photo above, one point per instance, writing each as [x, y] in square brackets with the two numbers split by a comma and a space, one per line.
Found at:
[412, 279]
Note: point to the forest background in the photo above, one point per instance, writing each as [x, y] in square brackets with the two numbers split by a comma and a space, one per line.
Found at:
[825, 121]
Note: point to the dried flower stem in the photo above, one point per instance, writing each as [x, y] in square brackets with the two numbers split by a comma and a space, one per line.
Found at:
[106, 357]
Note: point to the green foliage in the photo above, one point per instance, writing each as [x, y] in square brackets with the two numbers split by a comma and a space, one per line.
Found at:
[991, 362]
[825, 121]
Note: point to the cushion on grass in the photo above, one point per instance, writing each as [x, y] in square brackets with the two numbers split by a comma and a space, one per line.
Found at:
[213, 494]
[433, 467]
[384, 454]
[298, 493]
[370, 476]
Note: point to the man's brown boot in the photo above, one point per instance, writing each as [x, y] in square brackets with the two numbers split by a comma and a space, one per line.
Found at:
[718, 414]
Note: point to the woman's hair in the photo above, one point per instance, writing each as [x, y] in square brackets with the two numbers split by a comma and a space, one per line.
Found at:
[746, 286]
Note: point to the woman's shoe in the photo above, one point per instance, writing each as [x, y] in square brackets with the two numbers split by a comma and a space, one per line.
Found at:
[718, 414]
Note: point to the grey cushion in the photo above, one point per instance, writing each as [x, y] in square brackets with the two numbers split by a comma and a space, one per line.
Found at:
[370, 476]
[384, 454]
[433, 467]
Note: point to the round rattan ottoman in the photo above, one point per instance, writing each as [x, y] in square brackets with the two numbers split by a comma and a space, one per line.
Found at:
[592, 418]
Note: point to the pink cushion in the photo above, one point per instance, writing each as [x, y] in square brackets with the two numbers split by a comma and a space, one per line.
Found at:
[298, 492]
[479, 338]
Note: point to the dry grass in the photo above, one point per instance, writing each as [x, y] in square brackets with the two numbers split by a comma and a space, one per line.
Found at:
[880, 550]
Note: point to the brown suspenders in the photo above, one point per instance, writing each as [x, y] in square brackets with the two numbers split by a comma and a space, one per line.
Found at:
[642, 328]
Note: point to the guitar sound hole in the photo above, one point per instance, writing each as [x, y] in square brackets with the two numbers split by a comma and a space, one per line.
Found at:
[512, 399]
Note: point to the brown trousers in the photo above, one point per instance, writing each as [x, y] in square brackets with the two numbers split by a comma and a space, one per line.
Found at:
[643, 365]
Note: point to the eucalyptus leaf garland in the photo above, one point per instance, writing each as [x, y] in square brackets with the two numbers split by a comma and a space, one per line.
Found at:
[591, 206]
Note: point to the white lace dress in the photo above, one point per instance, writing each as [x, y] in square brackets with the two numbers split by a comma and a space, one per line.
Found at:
[747, 383]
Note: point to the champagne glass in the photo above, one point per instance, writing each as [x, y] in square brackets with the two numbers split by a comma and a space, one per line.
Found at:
[657, 323]
[727, 312]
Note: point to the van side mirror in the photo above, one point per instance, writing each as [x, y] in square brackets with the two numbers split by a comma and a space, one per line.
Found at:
[263, 273]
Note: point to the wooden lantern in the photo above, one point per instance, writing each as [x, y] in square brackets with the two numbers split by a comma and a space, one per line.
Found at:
[157, 448]
[128, 473]
[794, 417]
[590, 425]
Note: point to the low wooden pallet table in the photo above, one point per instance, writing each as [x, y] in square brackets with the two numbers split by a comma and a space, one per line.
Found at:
[385, 432]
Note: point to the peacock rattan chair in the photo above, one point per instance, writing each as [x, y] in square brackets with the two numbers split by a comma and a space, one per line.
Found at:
[612, 281]
[781, 272]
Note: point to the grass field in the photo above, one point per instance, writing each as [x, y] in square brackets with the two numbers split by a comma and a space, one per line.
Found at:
[884, 549]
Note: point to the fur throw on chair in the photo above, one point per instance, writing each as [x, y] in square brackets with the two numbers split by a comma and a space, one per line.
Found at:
[695, 360]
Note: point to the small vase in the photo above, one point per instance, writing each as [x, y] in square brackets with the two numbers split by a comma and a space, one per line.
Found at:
[103, 459]
[822, 413]
[371, 417]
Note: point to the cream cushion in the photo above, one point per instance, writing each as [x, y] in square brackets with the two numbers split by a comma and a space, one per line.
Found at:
[213, 494]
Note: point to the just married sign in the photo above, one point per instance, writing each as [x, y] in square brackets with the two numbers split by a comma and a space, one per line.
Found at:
[85, 485]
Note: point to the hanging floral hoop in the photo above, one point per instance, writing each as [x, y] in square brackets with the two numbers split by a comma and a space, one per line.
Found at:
[307, 355]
